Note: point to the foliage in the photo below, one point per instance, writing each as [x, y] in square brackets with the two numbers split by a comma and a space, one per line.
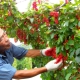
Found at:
[25, 63]
[44, 26]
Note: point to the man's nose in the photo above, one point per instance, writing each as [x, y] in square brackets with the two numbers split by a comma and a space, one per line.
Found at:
[6, 38]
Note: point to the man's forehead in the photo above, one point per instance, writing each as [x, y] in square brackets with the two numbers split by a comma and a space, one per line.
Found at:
[1, 32]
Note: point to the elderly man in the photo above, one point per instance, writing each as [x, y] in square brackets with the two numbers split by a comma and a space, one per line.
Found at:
[8, 52]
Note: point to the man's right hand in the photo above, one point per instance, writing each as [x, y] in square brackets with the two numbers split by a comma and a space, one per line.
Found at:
[49, 51]
[52, 65]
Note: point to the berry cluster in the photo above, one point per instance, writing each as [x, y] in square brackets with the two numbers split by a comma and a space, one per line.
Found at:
[21, 34]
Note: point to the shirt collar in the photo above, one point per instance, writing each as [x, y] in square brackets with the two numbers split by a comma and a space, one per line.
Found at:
[5, 52]
[2, 56]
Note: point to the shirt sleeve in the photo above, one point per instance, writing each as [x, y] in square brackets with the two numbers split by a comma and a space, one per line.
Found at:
[7, 72]
[18, 52]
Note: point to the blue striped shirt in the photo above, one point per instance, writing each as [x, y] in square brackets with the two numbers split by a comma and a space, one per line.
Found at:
[6, 69]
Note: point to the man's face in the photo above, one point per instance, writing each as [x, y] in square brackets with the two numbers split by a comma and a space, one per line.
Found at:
[4, 40]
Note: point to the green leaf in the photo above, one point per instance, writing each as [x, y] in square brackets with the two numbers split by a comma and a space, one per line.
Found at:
[77, 59]
[76, 45]
[72, 53]
[79, 23]
[71, 42]
[66, 23]
[78, 51]
[66, 47]
[57, 50]
[60, 39]
[62, 48]
[52, 35]
[74, 78]
[48, 31]
[67, 76]
[58, 42]
[72, 20]
[31, 20]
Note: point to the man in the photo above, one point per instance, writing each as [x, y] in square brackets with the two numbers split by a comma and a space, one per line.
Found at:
[8, 51]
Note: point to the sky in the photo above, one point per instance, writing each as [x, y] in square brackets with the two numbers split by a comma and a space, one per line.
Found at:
[22, 4]
[17, 43]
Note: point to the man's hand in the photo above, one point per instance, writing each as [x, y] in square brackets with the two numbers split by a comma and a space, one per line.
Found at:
[48, 51]
[53, 66]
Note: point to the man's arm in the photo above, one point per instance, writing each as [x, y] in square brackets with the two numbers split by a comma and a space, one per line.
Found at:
[33, 53]
[42, 52]
[22, 74]
[50, 66]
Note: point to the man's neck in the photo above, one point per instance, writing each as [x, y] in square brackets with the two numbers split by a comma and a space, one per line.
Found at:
[2, 52]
